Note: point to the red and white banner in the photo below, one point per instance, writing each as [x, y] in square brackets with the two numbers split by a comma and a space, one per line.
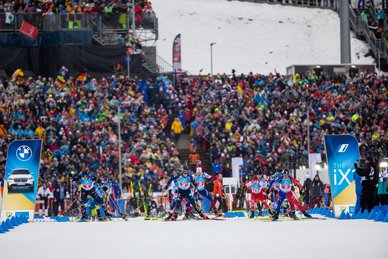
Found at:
[176, 54]
[29, 30]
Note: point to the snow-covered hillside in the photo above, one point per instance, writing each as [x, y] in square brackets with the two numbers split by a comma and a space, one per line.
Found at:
[250, 37]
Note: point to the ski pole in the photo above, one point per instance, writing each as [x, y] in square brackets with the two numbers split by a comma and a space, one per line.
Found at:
[68, 208]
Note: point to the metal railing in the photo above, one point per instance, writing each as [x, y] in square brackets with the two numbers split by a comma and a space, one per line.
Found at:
[331, 4]
[163, 65]
[361, 28]
[70, 21]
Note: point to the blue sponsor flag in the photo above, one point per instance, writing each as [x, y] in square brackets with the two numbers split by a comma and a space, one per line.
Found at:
[341, 153]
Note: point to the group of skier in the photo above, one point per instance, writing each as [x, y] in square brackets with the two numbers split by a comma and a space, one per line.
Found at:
[96, 197]
[282, 185]
[187, 188]
[185, 191]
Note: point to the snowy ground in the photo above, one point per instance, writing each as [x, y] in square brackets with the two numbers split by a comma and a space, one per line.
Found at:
[250, 37]
[233, 238]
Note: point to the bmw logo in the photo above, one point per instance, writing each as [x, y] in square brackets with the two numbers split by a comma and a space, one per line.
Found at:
[24, 153]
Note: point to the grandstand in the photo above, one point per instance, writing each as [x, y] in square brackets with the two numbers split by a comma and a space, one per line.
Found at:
[83, 37]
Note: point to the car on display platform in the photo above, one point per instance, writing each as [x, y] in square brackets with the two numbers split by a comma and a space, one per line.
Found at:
[20, 180]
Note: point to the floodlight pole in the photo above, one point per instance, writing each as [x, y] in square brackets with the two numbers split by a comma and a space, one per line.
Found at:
[345, 32]
[119, 140]
[211, 56]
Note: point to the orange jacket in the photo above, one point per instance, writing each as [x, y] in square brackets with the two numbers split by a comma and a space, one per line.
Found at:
[217, 189]
[193, 158]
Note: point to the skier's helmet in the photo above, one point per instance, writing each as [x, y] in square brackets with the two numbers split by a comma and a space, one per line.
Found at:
[85, 175]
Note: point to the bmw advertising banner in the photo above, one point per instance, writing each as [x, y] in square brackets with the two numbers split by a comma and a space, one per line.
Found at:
[341, 153]
[21, 178]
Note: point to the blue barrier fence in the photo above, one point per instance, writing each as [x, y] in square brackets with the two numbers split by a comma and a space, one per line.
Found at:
[11, 223]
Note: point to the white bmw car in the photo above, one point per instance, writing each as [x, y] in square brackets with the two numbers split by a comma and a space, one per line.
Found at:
[21, 180]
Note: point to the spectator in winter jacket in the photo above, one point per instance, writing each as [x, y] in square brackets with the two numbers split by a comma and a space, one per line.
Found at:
[306, 189]
[216, 167]
[177, 128]
[380, 17]
[218, 193]
[59, 197]
[316, 191]
[43, 195]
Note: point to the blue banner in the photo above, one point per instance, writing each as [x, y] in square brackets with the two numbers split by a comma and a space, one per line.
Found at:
[341, 153]
[21, 178]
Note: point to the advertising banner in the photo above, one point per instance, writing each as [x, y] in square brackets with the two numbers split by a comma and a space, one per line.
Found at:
[341, 153]
[237, 163]
[21, 178]
[176, 54]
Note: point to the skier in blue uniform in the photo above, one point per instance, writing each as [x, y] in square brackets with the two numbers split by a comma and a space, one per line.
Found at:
[184, 183]
[106, 185]
[172, 195]
[90, 189]
[200, 180]
[286, 192]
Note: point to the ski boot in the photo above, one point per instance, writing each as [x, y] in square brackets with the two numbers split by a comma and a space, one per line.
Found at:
[293, 215]
[187, 216]
[82, 219]
[307, 215]
[124, 216]
[168, 217]
[102, 219]
[203, 216]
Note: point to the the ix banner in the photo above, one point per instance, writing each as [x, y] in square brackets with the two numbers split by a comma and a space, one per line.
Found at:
[341, 153]
[21, 178]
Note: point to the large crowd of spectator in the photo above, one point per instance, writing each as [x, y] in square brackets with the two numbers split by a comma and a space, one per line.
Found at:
[75, 14]
[50, 7]
[264, 118]
[79, 127]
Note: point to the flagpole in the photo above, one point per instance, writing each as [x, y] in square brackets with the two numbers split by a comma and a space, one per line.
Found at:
[211, 56]
[133, 18]
[129, 66]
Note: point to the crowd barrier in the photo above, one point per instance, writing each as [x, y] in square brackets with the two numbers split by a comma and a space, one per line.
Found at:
[11, 223]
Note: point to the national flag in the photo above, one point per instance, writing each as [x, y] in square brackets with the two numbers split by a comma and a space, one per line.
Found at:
[81, 78]
[29, 30]
[17, 74]
[240, 89]
[61, 78]
[60, 81]
[9, 18]
[63, 71]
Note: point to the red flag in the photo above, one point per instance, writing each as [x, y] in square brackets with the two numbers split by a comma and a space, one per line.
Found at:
[29, 30]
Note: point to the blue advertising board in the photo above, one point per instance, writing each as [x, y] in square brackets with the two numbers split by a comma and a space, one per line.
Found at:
[21, 178]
